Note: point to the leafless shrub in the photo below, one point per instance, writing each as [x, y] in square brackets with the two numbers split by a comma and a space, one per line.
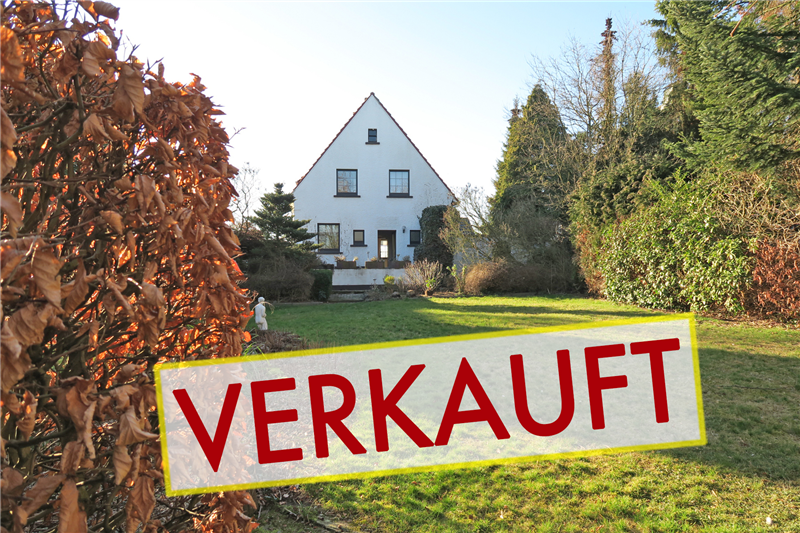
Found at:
[423, 276]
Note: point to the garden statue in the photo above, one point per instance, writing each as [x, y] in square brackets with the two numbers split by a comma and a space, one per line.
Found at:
[261, 315]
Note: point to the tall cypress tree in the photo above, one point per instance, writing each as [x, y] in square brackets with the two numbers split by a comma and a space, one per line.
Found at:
[608, 94]
[534, 165]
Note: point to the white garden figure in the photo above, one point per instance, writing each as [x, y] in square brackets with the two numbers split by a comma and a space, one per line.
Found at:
[261, 315]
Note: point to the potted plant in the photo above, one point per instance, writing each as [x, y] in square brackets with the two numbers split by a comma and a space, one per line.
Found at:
[396, 263]
[342, 262]
[374, 262]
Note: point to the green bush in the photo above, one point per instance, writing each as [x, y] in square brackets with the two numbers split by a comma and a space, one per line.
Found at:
[281, 279]
[323, 283]
[432, 247]
[676, 254]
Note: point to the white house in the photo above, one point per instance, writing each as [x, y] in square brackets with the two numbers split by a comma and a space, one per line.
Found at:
[365, 193]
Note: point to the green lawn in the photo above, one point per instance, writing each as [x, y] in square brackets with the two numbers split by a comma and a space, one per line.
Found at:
[749, 470]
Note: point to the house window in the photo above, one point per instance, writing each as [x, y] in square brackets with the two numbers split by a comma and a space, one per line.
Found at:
[398, 183]
[372, 136]
[358, 237]
[347, 182]
[328, 237]
[414, 237]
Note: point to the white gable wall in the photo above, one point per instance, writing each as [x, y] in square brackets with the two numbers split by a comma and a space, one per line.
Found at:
[372, 210]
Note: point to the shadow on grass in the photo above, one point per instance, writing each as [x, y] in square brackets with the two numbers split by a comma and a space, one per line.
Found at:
[343, 324]
[582, 315]
[751, 411]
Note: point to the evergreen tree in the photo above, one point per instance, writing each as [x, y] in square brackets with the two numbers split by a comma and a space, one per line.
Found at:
[742, 63]
[535, 163]
[282, 235]
[608, 94]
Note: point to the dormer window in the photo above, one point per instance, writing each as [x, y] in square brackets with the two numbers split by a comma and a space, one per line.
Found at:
[372, 136]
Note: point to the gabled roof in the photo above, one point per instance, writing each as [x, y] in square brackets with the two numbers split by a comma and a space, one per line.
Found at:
[372, 95]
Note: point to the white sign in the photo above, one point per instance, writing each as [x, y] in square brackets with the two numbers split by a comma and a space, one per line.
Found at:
[448, 402]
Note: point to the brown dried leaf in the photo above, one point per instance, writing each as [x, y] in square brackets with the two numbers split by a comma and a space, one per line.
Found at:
[215, 245]
[148, 396]
[88, 5]
[133, 475]
[55, 322]
[12, 210]
[147, 188]
[129, 94]
[12, 67]
[94, 332]
[71, 519]
[11, 487]
[79, 403]
[114, 220]
[141, 503]
[14, 361]
[127, 372]
[123, 301]
[166, 149]
[28, 420]
[41, 492]
[66, 67]
[45, 267]
[103, 407]
[80, 289]
[93, 125]
[114, 134]
[107, 10]
[10, 258]
[131, 429]
[72, 457]
[28, 323]
[122, 396]
[8, 160]
[8, 137]
[153, 295]
[90, 65]
[100, 49]
[122, 464]
[11, 402]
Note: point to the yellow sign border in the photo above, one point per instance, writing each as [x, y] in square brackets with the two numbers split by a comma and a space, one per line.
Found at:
[432, 340]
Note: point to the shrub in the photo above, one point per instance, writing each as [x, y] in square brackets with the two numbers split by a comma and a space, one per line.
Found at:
[432, 248]
[423, 276]
[459, 275]
[116, 255]
[776, 281]
[485, 277]
[505, 276]
[323, 283]
[281, 279]
[676, 254]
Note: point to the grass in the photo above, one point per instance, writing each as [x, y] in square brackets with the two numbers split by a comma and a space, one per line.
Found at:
[749, 470]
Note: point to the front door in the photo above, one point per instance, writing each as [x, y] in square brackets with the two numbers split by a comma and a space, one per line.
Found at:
[386, 245]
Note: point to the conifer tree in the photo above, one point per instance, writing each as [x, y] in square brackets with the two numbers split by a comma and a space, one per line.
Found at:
[282, 234]
[535, 165]
[608, 93]
[742, 62]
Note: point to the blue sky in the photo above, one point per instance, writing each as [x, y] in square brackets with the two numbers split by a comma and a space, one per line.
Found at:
[291, 74]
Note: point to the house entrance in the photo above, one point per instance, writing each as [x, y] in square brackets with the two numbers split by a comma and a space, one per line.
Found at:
[386, 245]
